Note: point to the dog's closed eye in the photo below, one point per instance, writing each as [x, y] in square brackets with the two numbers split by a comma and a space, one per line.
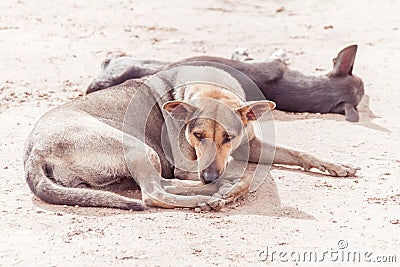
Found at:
[228, 138]
[199, 136]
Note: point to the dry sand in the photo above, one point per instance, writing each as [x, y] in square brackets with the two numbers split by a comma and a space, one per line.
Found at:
[50, 51]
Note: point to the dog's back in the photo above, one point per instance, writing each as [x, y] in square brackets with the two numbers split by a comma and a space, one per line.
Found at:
[338, 92]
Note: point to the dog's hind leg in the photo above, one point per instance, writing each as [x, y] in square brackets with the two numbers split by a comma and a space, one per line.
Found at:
[144, 164]
[54, 182]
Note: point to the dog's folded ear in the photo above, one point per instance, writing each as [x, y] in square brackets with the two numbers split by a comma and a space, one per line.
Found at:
[179, 110]
[252, 110]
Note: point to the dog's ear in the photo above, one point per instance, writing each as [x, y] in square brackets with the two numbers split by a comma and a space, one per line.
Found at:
[179, 110]
[252, 110]
[351, 113]
[343, 63]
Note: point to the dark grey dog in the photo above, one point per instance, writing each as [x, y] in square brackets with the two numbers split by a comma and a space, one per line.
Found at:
[339, 91]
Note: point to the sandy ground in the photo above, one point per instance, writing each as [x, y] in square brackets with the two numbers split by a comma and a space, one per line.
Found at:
[50, 51]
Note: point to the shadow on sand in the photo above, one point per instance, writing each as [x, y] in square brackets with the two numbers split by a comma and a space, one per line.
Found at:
[264, 201]
[366, 116]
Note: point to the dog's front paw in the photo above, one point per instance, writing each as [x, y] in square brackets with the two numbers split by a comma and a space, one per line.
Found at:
[212, 204]
[230, 192]
[216, 203]
[340, 170]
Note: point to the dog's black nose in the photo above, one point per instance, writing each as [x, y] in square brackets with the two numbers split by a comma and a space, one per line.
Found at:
[210, 176]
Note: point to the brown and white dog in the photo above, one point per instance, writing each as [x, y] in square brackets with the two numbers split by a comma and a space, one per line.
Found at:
[189, 119]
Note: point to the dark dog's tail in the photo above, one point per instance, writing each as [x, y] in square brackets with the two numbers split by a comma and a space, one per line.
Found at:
[38, 177]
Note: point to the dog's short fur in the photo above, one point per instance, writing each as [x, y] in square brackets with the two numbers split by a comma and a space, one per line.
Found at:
[168, 128]
[337, 92]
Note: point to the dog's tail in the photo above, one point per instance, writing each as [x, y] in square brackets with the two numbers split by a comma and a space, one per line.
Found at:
[38, 176]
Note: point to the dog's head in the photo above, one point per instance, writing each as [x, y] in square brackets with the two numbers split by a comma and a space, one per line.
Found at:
[349, 85]
[215, 128]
